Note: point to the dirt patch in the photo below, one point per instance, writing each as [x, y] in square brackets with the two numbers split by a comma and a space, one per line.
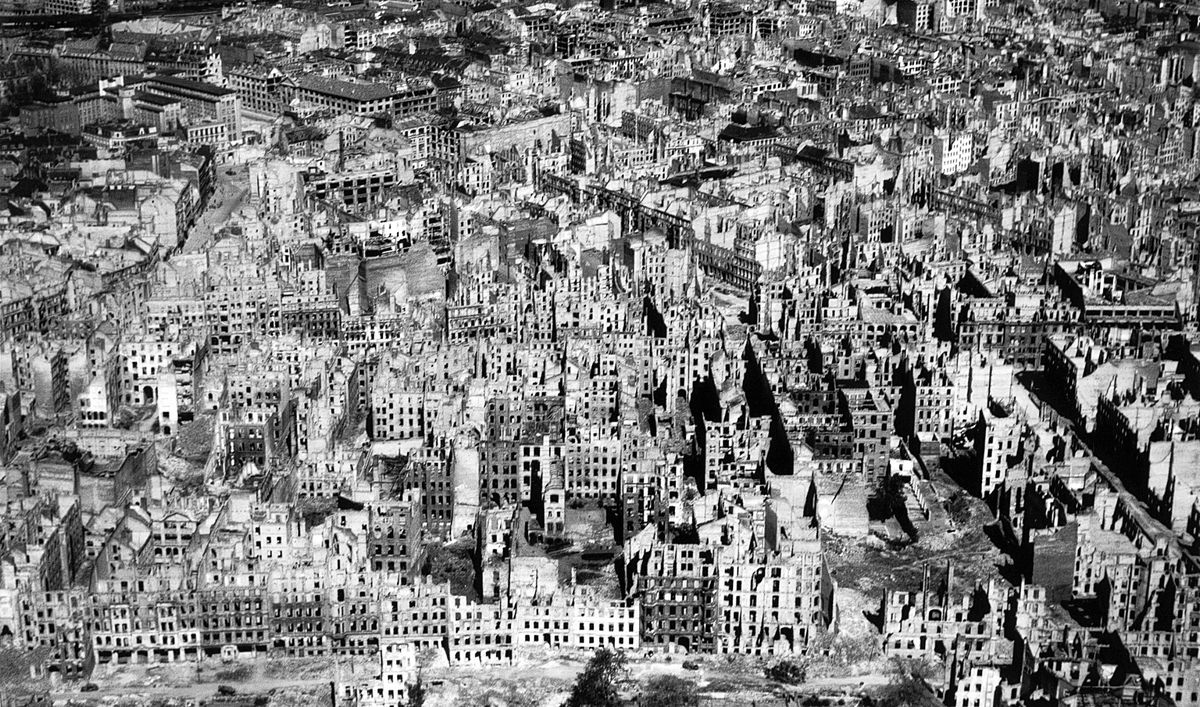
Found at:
[455, 564]
[194, 441]
[15, 664]
[301, 697]
[240, 673]
[312, 668]
[865, 567]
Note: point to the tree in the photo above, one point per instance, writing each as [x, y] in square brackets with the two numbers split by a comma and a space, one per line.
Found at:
[669, 691]
[886, 498]
[958, 506]
[596, 686]
[908, 686]
[453, 564]
[415, 694]
[510, 696]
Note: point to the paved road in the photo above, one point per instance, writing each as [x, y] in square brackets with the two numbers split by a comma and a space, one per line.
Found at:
[203, 689]
[707, 674]
[563, 671]
[230, 193]
[1138, 509]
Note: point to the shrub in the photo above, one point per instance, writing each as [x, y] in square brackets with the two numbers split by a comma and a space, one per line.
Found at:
[787, 672]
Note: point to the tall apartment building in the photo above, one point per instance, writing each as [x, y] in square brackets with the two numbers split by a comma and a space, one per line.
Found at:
[203, 102]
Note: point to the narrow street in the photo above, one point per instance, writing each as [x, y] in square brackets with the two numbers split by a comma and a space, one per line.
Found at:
[229, 195]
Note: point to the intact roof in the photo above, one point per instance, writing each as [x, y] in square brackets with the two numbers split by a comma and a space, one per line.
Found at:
[306, 133]
[155, 99]
[742, 133]
[865, 112]
[345, 89]
[50, 99]
[813, 152]
[26, 188]
[132, 51]
[248, 69]
[90, 89]
[192, 85]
